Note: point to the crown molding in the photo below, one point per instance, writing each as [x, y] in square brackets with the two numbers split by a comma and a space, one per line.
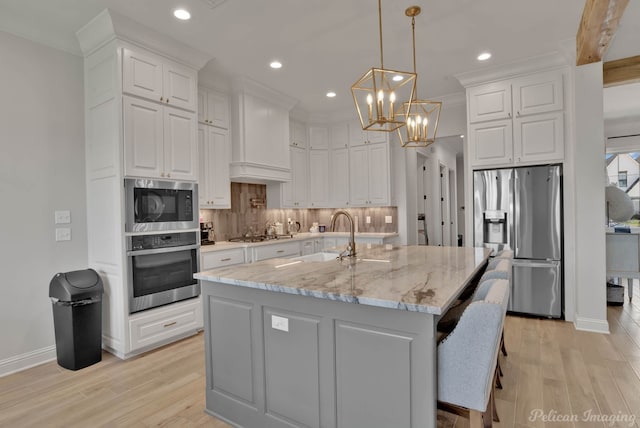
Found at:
[109, 25]
[512, 69]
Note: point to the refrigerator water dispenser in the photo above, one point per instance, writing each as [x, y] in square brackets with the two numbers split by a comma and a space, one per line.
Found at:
[495, 227]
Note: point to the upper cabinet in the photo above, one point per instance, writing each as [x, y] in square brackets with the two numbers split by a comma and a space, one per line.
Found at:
[159, 79]
[159, 142]
[213, 108]
[517, 121]
[318, 137]
[297, 134]
[358, 136]
[214, 155]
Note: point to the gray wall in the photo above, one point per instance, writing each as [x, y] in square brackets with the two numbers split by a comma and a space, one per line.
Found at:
[41, 170]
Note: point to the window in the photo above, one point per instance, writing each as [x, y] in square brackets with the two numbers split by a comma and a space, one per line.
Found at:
[622, 179]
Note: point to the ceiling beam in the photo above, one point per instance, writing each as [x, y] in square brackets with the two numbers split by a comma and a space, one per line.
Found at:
[600, 19]
[621, 71]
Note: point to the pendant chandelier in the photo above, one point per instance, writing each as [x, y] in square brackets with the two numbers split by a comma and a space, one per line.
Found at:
[381, 94]
[421, 116]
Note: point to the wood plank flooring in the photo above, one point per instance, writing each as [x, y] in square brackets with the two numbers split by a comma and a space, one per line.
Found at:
[575, 379]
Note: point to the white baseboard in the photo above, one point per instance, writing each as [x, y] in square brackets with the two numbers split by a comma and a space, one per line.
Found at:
[27, 360]
[592, 324]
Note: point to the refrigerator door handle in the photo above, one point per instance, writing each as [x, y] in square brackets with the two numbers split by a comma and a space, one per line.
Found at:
[516, 211]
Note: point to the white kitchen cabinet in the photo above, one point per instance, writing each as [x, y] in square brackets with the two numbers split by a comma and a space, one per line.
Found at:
[318, 138]
[159, 141]
[164, 324]
[318, 178]
[213, 108]
[297, 134]
[159, 79]
[285, 249]
[517, 121]
[214, 189]
[358, 136]
[369, 175]
[308, 247]
[220, 258]
[491, 143]
[339, 178]
[294, 193]
[339, 136]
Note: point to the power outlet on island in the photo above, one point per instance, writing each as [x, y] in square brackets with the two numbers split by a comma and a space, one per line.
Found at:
[279, 323]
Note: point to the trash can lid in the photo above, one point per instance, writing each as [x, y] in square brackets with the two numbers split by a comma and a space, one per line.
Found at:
[76, 285]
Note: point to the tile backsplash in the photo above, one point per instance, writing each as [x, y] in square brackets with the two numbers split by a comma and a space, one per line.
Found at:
[243, 218]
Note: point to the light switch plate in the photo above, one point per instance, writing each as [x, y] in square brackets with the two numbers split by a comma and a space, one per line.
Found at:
[62, 217]
[388, 219]
[279, 323]
[63, 234]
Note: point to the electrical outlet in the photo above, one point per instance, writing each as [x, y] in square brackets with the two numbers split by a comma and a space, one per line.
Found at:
[63, 234]
[388, 219]
[368, 219]
[279, 323]
[62, 217]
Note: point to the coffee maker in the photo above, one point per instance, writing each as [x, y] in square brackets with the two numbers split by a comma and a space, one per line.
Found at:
[207, 235]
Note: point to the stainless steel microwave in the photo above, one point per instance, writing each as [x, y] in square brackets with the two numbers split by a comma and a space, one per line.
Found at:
[155, 205]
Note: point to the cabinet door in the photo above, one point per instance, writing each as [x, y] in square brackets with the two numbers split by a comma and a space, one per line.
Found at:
[180, 144]
[179, 86]
[357, 136]
[539, 93]
[359, 175]
[318, 138]
[379, 174]
[143, 138]
[339, 136]
[308, 247]
[202, 106]
[204, 155]
[142, 75]
[374, 137]
[299, 172]
[318, 178]
[339, 178]
[297, 134]
[219, 181]
[491, 143]
[218, 110]
[489, 102]
[539, 138]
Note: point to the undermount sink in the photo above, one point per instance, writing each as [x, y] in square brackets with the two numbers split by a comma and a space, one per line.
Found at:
[317, 257]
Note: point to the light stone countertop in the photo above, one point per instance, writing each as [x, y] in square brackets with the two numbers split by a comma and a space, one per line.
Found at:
[225, 245]
[414, 278]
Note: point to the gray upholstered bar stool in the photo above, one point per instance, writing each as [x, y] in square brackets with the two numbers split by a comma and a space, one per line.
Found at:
[467, 358]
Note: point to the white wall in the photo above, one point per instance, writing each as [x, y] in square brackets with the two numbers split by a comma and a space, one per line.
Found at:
[41, 170]
[589, 182]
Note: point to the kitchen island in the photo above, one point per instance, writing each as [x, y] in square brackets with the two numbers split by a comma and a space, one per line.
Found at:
[350, 343]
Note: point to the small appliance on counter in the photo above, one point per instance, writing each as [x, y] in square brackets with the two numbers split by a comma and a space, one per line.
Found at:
[207, 235]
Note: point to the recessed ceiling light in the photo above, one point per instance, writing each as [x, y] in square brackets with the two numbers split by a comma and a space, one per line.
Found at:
[462, 136]
[275, 64]
[182, 14]
[397, 78]
[331, 94]
[484, 56]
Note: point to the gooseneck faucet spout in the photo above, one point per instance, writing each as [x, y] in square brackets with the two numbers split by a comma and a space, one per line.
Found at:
[351, 248]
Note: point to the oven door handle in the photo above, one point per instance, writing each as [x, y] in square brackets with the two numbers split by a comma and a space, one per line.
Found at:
[162, 250]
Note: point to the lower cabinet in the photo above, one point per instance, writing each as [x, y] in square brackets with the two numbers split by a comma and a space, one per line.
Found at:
[164, 324]
[219, 258]
[264, 252]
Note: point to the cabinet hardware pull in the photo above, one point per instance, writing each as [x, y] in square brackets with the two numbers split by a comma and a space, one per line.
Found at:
[280, 251]
[167, 100]
[226, 259]
[161, 98]
[170, 324]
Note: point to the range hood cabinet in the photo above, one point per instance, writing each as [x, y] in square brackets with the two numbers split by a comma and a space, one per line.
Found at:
[260, 152]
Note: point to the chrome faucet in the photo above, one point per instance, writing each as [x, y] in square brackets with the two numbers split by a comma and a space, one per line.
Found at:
[351, 248]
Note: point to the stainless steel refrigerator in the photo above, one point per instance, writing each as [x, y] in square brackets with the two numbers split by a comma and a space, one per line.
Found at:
[521, 209]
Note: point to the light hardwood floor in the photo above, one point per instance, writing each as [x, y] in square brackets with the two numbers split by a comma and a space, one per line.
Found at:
[551, 367]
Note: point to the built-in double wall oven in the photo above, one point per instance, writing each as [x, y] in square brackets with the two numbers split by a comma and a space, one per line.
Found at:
[163, 246]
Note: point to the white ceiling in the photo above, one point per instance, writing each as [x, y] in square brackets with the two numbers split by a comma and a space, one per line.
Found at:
[328, 44]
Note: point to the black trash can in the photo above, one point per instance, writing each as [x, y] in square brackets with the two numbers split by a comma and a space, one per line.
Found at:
[77, 317]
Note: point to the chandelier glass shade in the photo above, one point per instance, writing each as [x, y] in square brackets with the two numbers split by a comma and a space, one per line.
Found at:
[380, 95]
[422, 116]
